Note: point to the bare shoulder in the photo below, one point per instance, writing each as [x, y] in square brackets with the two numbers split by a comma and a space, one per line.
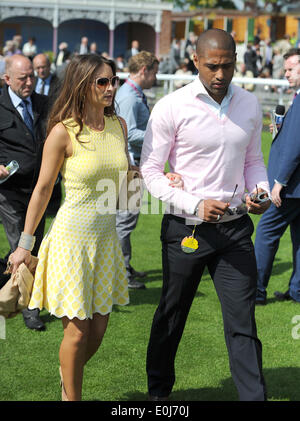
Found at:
[59, 130]
[59, 136]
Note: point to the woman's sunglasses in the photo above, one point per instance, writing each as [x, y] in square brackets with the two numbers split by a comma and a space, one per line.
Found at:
[103, 82]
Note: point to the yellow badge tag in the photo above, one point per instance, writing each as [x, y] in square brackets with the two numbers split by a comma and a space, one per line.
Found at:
[189, 244]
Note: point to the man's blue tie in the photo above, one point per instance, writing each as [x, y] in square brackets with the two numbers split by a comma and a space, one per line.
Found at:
[144, 98]
[26, 115]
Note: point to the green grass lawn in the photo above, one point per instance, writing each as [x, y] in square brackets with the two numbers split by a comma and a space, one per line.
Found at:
[29, 360]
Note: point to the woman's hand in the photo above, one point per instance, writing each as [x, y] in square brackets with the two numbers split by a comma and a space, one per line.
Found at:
[175, 180]
[134, 168]
[19, 256]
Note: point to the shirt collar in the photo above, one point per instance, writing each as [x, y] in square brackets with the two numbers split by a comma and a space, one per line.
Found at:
[15, 99]
[135, 84]
[199, 89]
[47, 81]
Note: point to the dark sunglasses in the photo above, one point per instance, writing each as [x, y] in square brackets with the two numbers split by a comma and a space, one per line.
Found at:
[103, 82]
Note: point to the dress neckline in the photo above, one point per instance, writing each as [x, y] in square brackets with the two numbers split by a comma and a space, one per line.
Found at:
[94, 130]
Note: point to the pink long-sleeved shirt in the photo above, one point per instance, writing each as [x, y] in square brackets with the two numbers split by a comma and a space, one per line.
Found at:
[212, 154]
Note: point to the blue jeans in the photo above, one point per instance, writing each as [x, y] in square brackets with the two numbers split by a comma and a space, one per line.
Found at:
[270, 229]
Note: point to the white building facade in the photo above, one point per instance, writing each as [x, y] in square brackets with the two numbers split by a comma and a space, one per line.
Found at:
[111, 23]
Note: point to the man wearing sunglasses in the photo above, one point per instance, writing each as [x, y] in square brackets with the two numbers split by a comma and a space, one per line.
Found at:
[210, 133]
[132, 106]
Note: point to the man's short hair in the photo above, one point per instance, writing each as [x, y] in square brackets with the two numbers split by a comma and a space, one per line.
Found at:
[144, 58]
[292, 52]
[210, 37]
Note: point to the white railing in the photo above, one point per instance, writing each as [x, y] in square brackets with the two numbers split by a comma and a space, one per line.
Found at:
[169, 82]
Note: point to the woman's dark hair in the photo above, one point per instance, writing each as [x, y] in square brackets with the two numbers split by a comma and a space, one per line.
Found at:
[80, 73]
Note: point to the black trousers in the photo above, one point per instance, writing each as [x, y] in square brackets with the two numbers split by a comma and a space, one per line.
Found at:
[227, 251]
[13, 208]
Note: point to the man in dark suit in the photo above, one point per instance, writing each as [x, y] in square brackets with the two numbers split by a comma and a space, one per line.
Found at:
[83, 47]
[132, 51]
[47, 83]
[23, 117]
[284, 179]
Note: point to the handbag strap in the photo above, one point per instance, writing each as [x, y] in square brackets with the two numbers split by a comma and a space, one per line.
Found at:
[125, 140]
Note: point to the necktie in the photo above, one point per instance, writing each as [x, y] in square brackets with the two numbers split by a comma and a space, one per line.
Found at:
[42, 87]
[145, 100]
[26, 115]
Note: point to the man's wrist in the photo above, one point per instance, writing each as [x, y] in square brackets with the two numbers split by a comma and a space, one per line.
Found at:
[196, 210]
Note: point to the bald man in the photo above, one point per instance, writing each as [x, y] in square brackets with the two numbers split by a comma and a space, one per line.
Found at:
[46, 83]
[209, 132]
[23, 115]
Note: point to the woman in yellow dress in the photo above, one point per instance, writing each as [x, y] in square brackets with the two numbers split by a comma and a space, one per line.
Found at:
[80, 273]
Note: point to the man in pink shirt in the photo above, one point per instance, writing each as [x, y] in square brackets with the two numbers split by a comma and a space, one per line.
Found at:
[210, 133]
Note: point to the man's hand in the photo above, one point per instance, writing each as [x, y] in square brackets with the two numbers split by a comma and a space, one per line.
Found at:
[3, 172]
[211, 210]
[257, 208]
[275, 194]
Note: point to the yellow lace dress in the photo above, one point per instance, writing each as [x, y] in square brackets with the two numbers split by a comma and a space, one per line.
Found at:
[81, 268]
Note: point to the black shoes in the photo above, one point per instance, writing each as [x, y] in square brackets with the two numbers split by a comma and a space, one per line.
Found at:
[260, 301]
[282, 296]
[261, 298]
[133, 284]
[136, 274]
[32, 319]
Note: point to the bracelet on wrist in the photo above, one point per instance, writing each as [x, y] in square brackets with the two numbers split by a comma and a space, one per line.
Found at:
[26, 241]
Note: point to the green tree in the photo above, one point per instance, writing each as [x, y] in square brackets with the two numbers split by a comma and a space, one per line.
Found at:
[277, 5]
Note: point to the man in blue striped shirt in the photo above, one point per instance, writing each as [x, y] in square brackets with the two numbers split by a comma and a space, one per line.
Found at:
[132, 106]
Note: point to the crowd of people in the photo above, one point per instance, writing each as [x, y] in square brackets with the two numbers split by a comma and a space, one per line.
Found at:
[64, 54]
[78, 125]
[260, 58]
[265, 59]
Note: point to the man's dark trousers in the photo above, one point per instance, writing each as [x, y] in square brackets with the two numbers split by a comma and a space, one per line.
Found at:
[270, 229]
[227, 251]
[13, 207]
